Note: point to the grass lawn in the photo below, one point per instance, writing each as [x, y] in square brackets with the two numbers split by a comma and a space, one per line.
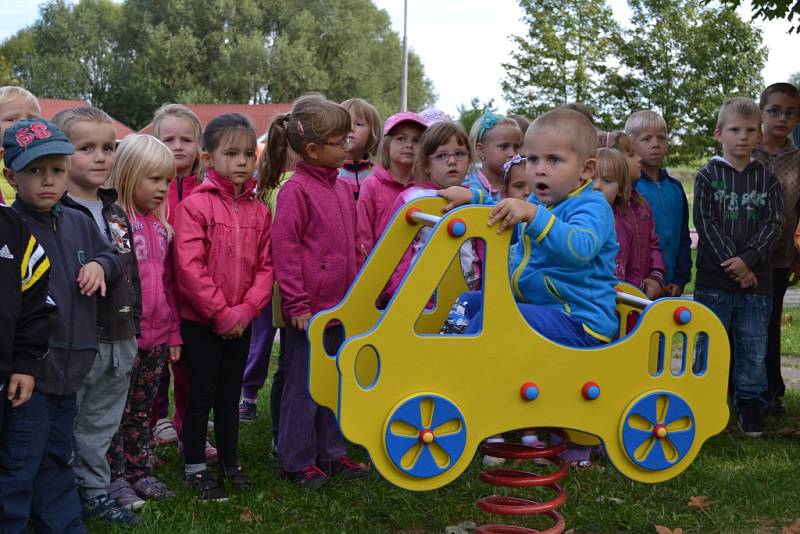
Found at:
[752, 486]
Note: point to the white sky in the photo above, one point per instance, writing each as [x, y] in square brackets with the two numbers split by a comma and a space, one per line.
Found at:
[463, 43]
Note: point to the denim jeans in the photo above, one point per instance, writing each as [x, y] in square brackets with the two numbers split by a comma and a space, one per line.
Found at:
[745, 317]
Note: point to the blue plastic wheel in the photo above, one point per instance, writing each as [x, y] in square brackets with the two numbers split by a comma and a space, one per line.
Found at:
[658, 431]
[425, 435]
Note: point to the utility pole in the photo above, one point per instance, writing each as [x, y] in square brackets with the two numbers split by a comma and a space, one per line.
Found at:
[404, 83]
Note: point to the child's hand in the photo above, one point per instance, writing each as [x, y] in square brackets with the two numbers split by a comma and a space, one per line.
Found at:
[92, 277]
[455, 196]
[749, 280]
[301, 321]
[652, 288]
[175, 353]
[20, 389]
[735, 268]
[234, 333]
[672, 290]
[510, 212]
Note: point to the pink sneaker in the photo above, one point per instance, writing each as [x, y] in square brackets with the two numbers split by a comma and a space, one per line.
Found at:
[211, 452]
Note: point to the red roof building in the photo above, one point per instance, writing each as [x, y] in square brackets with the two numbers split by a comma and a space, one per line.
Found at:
[51, 106]
[260, 114]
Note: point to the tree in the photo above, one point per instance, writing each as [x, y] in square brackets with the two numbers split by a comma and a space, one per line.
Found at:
[772, 9]
[468, 114]
[794, 79]
[682, 59]
[564, 57]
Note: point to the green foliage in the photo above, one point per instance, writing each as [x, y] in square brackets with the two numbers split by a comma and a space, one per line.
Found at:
[468, 114]
[772, 9]
[794, 79]
[130, 58]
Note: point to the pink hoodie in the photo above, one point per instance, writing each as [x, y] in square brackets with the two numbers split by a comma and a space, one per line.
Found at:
[160, 319]
[646, 250]
[222, 261]
[375, 208]
[314, 241]
[627, 267]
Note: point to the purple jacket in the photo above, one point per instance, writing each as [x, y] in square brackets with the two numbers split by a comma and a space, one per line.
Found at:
[375, 208]
[627, 267]
[313, 240]
[646, 250]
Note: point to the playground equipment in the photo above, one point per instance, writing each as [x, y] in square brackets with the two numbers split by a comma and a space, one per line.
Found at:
[421, 403]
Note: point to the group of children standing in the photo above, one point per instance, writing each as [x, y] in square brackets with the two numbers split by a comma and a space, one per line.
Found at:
[187, 247]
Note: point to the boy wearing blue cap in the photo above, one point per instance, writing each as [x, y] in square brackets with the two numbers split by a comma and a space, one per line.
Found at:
[36, 480]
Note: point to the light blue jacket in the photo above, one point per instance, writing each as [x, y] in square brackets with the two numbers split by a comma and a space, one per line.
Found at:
[564, 259]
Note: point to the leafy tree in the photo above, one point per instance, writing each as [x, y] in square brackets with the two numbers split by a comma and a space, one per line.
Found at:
[468, 114]
[772, 9]
[794, 79]
[564, 57]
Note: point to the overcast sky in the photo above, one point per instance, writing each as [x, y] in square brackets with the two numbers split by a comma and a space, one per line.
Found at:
[463, 43]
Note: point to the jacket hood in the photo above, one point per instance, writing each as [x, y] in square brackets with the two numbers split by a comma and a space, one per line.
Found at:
[214, 181]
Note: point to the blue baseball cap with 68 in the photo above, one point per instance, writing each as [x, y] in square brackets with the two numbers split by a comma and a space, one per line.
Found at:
[27, 140]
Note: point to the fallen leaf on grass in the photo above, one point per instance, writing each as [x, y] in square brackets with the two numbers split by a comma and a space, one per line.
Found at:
[666, 530]
[699, 502]
[793, 528]
[465, 527]
[615, 500]
[246, 516]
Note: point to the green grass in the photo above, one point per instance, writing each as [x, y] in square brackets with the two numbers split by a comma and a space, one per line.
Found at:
[752, 486]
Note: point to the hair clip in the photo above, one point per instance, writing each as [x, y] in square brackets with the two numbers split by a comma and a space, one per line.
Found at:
[488, 121]
[300, 129]
[508, 165]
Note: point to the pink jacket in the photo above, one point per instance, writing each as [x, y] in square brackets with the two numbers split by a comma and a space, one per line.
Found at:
[180, 188]
[646, 250]
[160, 320]
[314, 241]
[222, 261]
[627, 267]
[375, 208]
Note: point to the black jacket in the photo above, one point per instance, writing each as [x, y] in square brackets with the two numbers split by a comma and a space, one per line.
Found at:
[70, 241]
[26, 311]
[736, 214]
[120, 311]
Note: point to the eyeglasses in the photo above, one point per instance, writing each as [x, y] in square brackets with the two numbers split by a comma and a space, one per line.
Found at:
[777, 112]
[442, 157]
[342, 144]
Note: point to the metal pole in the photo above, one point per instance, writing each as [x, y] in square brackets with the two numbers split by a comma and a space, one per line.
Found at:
[404, 83]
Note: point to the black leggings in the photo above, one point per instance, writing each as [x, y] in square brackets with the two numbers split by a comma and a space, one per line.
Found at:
[215, 369]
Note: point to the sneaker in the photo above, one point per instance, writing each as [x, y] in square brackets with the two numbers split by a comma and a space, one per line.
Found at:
[206, 485]
[164, 432]
[347, 468]
[493, 461]
[151, 488]
[106, 509]
[532, 440]
[122, 492]
[750, 419]
[237, 477]
[211, 451]
[247, 411]
[310, 476]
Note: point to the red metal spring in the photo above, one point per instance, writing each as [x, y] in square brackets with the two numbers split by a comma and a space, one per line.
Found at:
[515, 478]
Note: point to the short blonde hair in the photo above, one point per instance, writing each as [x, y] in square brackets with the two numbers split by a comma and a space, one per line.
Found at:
[141, 156]
[9, 93]
[571, 124]
[740, 107]
[66, 119]
[644, 120]
[182, 112]
[611, 163]
[366, 111]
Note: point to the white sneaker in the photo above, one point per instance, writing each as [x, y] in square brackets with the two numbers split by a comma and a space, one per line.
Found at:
[164, 432]
[493, 461]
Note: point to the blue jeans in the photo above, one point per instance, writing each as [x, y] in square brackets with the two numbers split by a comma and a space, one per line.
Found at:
[745, 317]
[36, 479]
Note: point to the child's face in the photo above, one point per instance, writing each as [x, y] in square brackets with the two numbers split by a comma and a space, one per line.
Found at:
[150, 193]
[94, 156]
[650, 145]
[499, 145]
[449, 164]
[358, 138]
[42, 183]
[787, 115]
[518, 184]
[330, 153]
[608, 186]
[18, 109]
[234, 158]
[405, 143]
[634, 165]
[738, 136]
[553, 165]
[178, 135]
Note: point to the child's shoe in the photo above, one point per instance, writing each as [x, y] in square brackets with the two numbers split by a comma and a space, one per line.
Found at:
[106, 509]
[122, 492]
[164, 432]
[310, 476]
[533, 441]
[493, 461]
[237, 477]
[750, 419]
[152, 489]
[347, 468]
[206, 485]
[211, 452]
[247, 411]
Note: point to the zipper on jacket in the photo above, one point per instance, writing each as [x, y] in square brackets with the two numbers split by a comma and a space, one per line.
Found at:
[238, 268]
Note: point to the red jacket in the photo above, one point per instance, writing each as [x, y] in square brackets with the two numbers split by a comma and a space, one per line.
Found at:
[222, 261]
[180, 188]
[314, 240]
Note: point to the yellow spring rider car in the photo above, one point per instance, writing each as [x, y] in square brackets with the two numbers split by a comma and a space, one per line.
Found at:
[421, 403]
